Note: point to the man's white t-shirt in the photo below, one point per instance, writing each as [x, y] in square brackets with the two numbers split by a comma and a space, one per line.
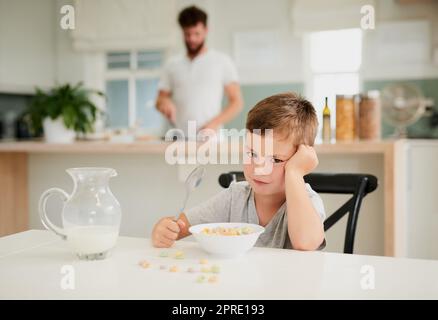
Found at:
[197, 86]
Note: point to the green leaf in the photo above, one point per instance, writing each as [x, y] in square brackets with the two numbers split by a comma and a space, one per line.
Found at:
[72, 103]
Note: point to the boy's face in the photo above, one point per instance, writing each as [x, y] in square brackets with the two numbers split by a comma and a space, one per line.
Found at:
[266, 157]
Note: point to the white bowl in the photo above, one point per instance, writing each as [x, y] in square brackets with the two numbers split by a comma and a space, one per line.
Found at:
[226, 246]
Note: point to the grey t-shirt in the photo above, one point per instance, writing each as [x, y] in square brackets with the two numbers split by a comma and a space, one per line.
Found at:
[236, 204]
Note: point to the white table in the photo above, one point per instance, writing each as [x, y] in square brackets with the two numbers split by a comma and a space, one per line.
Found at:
[31, 263]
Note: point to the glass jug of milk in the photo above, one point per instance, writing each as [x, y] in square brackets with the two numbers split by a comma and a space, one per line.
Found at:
[91, 214]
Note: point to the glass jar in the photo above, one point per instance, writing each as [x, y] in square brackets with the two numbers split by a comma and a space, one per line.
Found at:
[370, 116]
[345, 118]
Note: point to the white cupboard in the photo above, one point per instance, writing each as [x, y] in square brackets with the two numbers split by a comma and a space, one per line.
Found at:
[417, 216]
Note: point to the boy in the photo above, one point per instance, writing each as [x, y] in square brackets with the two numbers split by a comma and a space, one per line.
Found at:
[278, 199]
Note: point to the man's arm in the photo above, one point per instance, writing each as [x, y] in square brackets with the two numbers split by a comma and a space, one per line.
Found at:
[165, 105]
[235, 105]
[305, 228]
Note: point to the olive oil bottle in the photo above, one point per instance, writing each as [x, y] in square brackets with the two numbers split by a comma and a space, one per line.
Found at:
[326, 129]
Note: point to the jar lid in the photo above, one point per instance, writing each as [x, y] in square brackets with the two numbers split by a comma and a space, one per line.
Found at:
[344, 96]
[372, 94]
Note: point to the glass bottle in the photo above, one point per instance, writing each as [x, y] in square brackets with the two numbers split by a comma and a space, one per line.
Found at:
[326, 128]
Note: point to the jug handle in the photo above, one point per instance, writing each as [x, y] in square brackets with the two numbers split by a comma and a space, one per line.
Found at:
[43, 214]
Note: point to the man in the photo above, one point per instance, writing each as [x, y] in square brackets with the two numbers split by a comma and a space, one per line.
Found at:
[192, 84]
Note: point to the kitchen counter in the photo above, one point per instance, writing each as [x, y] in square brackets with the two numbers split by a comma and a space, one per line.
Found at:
[15, 170]
[159, 147]
[35, 263]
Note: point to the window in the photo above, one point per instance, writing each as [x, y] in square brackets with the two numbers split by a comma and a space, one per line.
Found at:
[131, 84]
[334, 62]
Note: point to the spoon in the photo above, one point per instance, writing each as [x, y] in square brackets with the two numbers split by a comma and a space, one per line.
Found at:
[193, 180]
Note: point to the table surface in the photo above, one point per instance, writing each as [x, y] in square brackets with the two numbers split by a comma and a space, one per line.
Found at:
[32, 267]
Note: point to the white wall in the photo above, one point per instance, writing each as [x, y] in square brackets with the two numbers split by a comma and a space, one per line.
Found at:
[397, 61]
[247, 16]
[27, 44]
[227, 18]
[34, 50]
[70, 65]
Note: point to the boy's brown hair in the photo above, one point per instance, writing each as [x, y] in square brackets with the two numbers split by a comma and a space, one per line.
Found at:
[286, 113]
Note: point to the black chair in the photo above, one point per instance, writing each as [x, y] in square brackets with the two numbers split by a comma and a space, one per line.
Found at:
[358, 185]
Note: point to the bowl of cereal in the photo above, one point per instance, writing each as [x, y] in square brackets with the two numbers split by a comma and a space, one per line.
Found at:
[226, 239]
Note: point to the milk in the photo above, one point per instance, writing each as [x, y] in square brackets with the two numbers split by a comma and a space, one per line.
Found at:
[92, 239]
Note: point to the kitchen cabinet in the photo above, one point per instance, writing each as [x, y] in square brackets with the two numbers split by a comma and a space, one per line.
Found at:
[418, 213]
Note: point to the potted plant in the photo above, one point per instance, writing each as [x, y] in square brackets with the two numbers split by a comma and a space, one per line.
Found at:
[63, 112]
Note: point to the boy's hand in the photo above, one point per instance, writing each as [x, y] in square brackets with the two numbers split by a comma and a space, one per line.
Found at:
[166, 232]
[303, 161]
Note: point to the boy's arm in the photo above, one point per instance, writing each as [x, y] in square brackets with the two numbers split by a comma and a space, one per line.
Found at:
[167, 230]
[305, 228]
[184, 227]
[215, 209]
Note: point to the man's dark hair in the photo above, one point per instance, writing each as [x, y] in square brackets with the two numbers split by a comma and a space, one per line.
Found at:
[191, 16]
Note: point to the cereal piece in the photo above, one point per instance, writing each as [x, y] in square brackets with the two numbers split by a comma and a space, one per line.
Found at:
[174, 269]
[179, 255]
[213, 279]
[215, 269]
[200, 279]
[191, 270]
[163, 267]
[205, 270]
[203, 261]
[164, 254]
[246, 230]
[144, 264]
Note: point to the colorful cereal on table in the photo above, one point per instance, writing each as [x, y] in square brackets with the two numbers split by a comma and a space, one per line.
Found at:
[212, 279]
[163, 267]
[164, 254]
[174, 269]
[205, 270]
[179, 255]
[191, 270]
[203, 261]
[215, 269]
[144, 264]
[200, 279]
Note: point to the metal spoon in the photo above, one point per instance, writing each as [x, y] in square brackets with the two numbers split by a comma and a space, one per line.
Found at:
[193, 180]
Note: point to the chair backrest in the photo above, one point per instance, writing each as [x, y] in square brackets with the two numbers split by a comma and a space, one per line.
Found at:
[358, 185]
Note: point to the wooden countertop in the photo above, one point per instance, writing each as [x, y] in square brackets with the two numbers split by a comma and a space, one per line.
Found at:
[159, 147]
